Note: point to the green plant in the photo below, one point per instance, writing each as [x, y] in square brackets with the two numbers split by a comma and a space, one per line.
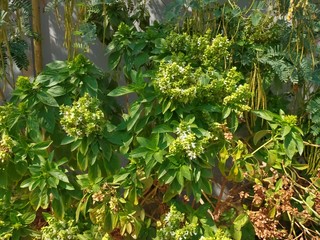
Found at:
[193, 133]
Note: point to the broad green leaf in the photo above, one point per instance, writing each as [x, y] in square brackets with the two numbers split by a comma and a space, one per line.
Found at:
[21, 167]
[113, 60]
[166, 105]
[290, 145]
[27, 182]
[139, 152]
[59, 175]
[120, 178]
[132, 121]
[47, 99]
[299, 142]
[56, 91]
[106, 150]
[35, 199]
[28, 218]
[163, 128]
[255, 18]
[241, 220]
[40, 146]
[120, 91]
[186, 172]
[278, 185]
[168, 195]
[52, 182]
[58, 208]
[91, 82]
[286, 131]
[82, 161]
[67, 140]
[205, 185]
[272, 157]
[259, 135]
[264, 114]
[300, 166]
[141, 59]
[226, 111]
[233, 122]
[272, 212]
[57, 65]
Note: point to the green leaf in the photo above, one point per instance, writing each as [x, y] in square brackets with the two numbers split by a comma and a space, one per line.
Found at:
[286, 131]
[40, 146]
[186, 172]
[139, 152]
[255, 18]
[226, 112]
[91, 83]
[58, 208]
[290, 146]
[57, 65]
[122, 90]
[113, 60]
[278, 185]
[168, 195]
[120, 178]
[257, 136]
[264, 114]
[34, 198]
[299, 142]
[300, 166]
[141, 59]
[233, 122]
[67, 140]
[47, 99]
[27, 182]
[59, 175]
[82, 161]
[163, 128]
[132, 121]
[28, 218]
[56, 91]
[241, 220]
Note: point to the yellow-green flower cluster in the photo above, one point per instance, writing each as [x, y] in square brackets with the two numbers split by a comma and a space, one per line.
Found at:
[187, 143]
[177, 81]
[196, 72]
[6, 145]
[218, 50]
[6, 112]
[82, 118]
[175, 227]
[290, 119]
[239, 98]
[60, 229]
[23, 83]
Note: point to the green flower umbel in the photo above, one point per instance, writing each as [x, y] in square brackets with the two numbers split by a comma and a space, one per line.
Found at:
[82, 118]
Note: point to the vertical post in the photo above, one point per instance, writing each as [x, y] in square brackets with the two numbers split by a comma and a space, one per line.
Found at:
[36, 27]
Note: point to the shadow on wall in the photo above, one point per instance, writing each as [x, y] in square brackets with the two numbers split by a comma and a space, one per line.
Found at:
[53, 48]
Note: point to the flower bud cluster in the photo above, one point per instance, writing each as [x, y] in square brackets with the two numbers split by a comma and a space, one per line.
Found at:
[218, 50]
[6, 113]
[238, 99]
[177, 81]
[290, 119]
[60, 229]
[23, 83]
[174, 226]
[6, 145]
[82, 118]
[196, 72]
[187, 143]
